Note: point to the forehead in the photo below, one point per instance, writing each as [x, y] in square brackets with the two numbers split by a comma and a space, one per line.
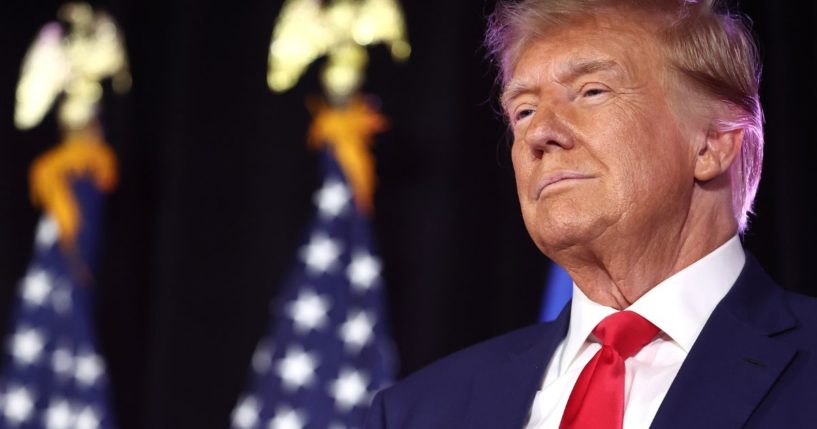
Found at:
[612, 43]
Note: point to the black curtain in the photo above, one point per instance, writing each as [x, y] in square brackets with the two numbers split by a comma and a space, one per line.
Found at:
[216, 184]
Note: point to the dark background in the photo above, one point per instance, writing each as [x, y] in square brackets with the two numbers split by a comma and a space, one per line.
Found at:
[216, 186]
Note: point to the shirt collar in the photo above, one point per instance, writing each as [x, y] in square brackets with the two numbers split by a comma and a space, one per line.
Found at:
[679, 305]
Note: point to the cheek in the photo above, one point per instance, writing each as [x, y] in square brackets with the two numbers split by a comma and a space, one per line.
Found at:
[521, 168]
[523, 173]
[629, 170]
[654, 165]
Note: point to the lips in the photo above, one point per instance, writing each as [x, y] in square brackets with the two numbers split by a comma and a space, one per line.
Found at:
[557, 177]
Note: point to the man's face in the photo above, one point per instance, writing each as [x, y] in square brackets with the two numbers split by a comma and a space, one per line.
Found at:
[600, 154]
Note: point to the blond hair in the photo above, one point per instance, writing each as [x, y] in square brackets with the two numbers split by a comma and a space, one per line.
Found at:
[712, 49]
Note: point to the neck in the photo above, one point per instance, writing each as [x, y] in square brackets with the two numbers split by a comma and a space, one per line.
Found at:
[615, 272]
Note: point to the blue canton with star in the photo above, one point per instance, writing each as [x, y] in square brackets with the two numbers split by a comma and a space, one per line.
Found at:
[52, 375]
[327, 351]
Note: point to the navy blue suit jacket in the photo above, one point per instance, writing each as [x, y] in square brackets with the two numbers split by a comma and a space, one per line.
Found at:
[754, 365]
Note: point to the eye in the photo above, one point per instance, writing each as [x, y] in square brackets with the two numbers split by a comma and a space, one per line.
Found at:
[522, 114]
[593, 90]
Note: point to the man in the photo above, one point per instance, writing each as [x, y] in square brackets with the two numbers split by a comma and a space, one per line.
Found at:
[637, 152]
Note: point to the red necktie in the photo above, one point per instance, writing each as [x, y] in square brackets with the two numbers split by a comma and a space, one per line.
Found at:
[597, 399]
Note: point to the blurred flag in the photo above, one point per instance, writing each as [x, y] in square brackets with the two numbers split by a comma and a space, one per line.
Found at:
[53, 376]
[558, 292]
[327, 351]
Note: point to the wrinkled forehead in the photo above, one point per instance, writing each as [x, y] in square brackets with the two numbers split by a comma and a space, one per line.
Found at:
[608, 45]
[632, 36]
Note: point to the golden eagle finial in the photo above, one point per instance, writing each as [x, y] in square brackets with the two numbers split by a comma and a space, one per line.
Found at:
[72, 64]
[341, 30]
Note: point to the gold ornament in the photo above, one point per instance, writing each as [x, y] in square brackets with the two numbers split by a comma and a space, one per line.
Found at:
[341, 30]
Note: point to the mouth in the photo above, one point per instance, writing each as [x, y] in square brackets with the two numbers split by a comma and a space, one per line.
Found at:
[550, 180]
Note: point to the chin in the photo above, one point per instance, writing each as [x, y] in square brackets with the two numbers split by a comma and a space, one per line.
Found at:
[554, 234]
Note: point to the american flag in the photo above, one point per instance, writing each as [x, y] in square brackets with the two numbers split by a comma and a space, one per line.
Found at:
[558, 292]
[52, 374]
[326, 352]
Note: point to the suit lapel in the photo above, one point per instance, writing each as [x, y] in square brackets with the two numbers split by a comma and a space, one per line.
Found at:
[736, 358]
[502, 395]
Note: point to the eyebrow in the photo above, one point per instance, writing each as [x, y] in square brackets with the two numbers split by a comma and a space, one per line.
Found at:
[579, 68]
[571, 72]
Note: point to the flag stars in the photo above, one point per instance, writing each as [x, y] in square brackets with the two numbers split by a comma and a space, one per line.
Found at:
[349, 389]
[19, 404]
[287, 418]
[321, 254]
[262, 358]
[309, 311]
[87, 419]
[27, 346]
[245, 416]
[88, 369]
[62, 362]
[357, 330]
[36, 287]
[297, 368]
[59, 415]
[363, 271]
[332, 198]
[61, 299]
[47, 233]
[324, 326]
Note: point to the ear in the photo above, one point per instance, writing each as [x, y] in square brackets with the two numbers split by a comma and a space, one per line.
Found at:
[718, 153]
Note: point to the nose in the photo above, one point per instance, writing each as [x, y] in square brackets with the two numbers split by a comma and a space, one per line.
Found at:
[548, 132]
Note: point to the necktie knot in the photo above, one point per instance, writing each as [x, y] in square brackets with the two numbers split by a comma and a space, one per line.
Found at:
[626, 332]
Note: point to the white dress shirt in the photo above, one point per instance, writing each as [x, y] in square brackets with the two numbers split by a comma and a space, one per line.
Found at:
[679, 306]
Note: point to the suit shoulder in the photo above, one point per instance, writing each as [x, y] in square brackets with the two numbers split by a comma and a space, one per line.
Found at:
[437, 395]
[456, 371]
[487, 352]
